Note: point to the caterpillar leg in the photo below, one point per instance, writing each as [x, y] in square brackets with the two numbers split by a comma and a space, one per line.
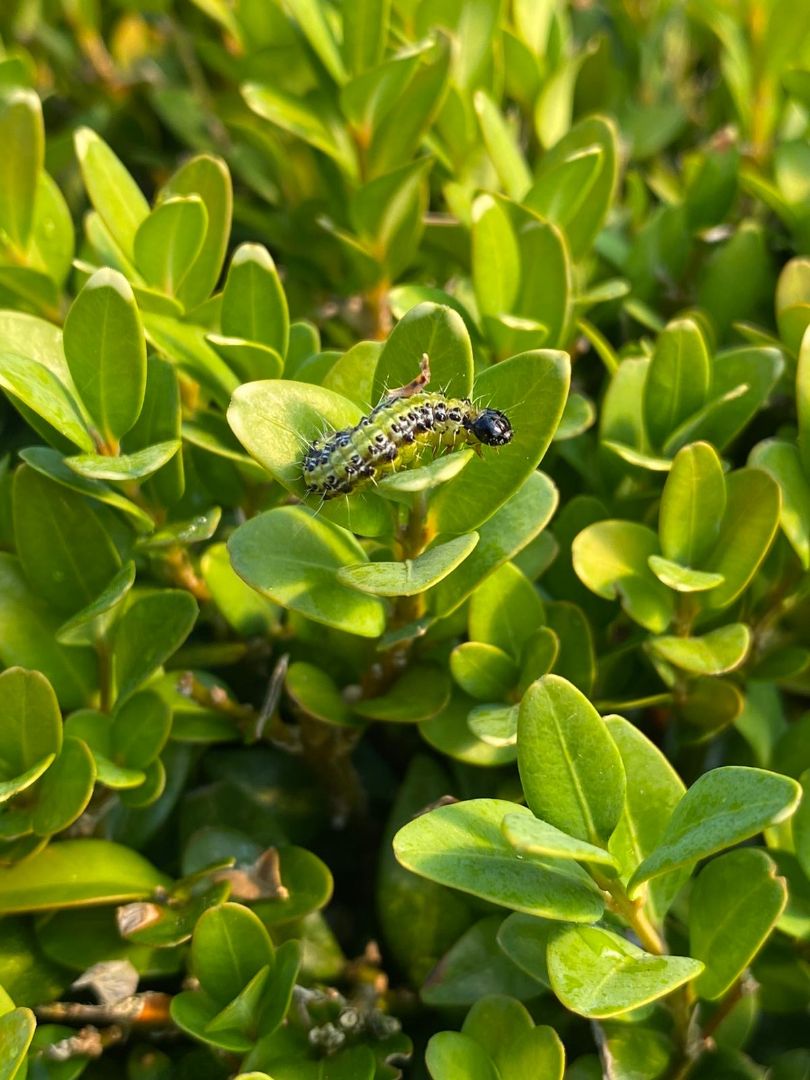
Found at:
[415, 385]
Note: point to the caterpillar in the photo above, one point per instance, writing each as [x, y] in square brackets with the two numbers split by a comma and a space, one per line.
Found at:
[393, 434]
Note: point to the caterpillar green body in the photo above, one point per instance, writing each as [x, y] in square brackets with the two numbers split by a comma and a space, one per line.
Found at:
[393, 434]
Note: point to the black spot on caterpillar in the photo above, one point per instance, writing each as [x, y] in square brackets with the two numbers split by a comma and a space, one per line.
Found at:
[393, 434]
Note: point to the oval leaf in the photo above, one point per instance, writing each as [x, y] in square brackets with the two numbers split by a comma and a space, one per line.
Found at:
[293, 558]
[735, 902]
[722, 808]
[462, 846]
[571, 771]
[106, 352]
[598, 974]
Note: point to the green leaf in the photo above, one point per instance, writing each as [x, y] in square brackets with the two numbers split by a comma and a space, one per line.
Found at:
[352, 374]
[746, 533]
[73, 873]
[92, 622]
[497, 1021]
[433, 329]
[28, 976]
[496, 725]
[742, 382]
[611, 558]
[417, 695]
[368, 98]
[65, 546]
[38, 389]
[636, 1050]
[714, 653]
[242, 607]
[502, 148]
[579, 415]
[169, 240]
[525, 939]
[678, 378]
[495, 257]
[276, 421]
[398, 135]
[50, 463]
[365, 26]
[531, 389]
[196, 531]
[254, 306]
[575, 659]
[94, 729]
[622, 417]
[710, 705]
[147, 792]
[185, 346]
[576, 181]
[16, 1032]
[65, 790]
[32, 724]
[419, 919]
[106, 353]
[692, 505]
[545, 291]
[681, 578]
[722, 808]
[598, 974]
[317, 694]
[122, 467]
[509, 530]
[451, 1054]
[534, 837]
[293, 558]
[571, 771]
[230, 945]
[803, 402]
[24, 780]
[782, 461]
[387, 213]
[801, 826]
[207, 177]
[311, 17]
[504, 1028]
[505, 610]
[538, 1052]
[735, 902]
[139, 730]
[412, 576]
[428, 476]
[474, 967]
[647, 810]
[791, 302]
[148, 633]
[28, 638]
[111, 189]
[249, 359]
[483, 671]
[312, 118]
[461, 845]
[449, 731]
[22, 135]
[192, 1011]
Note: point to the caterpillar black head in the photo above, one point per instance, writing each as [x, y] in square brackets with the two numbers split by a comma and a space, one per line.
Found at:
[491, 427]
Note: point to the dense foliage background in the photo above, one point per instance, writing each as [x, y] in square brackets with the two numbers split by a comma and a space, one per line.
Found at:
[224, 705]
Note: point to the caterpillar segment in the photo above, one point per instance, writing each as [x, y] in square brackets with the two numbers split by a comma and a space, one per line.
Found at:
[395, 432]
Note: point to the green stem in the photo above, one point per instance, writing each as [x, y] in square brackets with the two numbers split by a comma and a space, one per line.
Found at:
[633, 913]
[681, 1001]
